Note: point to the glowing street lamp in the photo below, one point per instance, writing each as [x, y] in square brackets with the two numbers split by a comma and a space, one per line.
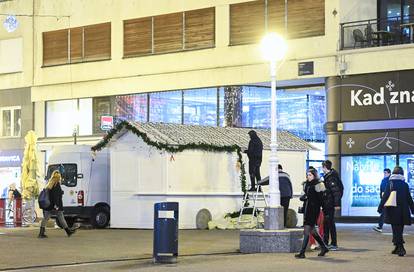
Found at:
[273, 49]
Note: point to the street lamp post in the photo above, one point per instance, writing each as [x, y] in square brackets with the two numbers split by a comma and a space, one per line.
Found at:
[273, 49]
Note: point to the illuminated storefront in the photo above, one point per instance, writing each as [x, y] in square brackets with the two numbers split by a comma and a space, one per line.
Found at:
[10, 170]
[372, 129]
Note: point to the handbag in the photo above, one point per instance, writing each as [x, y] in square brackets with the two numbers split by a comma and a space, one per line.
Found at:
[392, 199]
[44, 200]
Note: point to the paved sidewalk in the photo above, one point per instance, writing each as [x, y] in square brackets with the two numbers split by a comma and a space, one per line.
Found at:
[361, 249]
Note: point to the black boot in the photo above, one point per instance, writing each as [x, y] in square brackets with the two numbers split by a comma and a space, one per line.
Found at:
[395, 251]
[69, 232]
[401, 251]
[324, 248]
[300, 255]
[42, 233]
[306, 232]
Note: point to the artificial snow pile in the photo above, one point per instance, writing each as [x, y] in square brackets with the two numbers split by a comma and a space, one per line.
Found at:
[233, 223]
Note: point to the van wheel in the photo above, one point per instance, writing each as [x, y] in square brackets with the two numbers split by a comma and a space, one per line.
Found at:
[69, 220]
[100, 217]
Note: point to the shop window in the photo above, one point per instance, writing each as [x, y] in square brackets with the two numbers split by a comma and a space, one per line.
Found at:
[102, 106]
[361, 177]
[406, 161]
[168, 33]
[131, 108]
[166, 107]
[10, 122]
[63, 117]
[80, 44]
[221, 107]
[200, 107]
[256, 107]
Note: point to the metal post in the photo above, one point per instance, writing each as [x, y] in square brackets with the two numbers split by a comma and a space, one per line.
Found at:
[273, 214]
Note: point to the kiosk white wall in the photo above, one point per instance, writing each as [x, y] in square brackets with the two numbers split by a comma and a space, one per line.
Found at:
[142, 175]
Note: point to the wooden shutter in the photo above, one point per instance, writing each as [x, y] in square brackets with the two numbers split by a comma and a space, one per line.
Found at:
[138, 37]
[306, 18]
[55, 47]
[76, 44]
[247, 22]
[168, 33]
[97, 42]
[200, 28]
[276, 16]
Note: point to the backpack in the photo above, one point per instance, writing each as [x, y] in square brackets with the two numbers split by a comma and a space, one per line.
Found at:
[44, 200]
[17, 194]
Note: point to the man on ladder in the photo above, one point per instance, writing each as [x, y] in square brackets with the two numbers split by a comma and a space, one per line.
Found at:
[254, 153]
[255, 194]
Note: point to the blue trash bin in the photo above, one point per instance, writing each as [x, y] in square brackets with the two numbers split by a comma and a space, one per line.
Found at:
[165, 232]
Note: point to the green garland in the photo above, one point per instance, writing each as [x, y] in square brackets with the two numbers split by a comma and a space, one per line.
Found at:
[176, 148]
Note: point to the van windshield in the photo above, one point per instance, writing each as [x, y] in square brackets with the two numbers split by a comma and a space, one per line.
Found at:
[68, 171]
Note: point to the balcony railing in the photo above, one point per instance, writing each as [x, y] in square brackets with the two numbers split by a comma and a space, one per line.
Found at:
[377, 32]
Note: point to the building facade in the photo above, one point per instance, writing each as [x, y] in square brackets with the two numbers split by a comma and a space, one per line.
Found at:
[198, 62]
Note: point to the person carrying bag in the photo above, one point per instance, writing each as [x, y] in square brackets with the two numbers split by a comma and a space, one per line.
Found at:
[396, 205]
[53, 192]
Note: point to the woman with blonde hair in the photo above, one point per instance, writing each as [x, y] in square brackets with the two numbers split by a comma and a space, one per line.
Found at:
[56, 205]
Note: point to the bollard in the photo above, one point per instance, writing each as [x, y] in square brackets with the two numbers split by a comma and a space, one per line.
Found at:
[2, 212]
[165, 232]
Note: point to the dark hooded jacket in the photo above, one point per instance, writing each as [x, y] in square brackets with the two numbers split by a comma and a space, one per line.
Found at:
[334, 190]
[399, 215]
[255, 149]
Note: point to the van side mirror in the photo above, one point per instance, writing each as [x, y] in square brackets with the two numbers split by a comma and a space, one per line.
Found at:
[80, 176]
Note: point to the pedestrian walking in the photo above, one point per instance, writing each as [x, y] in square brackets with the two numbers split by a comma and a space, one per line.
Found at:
[286, 192]
[254, 153]
[312, 203]
[56, 205]
[384, 182]
[332, 202]
[396, 205]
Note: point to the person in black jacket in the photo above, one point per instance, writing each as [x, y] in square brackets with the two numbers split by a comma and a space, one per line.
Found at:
[286, 192]
[56, 205]
[398, 215]
[313, 201]
[254, 153]
[384, 182]
[332, 202]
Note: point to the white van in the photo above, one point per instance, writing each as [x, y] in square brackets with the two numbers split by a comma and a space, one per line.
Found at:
[85, 183]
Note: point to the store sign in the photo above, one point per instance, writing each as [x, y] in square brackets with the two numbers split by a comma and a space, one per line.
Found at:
[380, 96]
[387, 142]
[11, 158]
[361, 98]
[366, 143]
[107, 122]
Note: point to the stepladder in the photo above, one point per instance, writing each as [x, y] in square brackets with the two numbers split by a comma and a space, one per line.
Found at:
[253, 204]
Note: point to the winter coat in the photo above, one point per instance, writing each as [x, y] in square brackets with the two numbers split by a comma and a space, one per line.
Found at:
[383, 185]
[285, 185]
[334, 190]
[55, 197]
[313, 201]
[399, 215]
[255, 148]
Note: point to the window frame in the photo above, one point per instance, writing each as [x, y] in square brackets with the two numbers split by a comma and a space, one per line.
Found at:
[12, 110]
[48, 173]
[83, 58]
